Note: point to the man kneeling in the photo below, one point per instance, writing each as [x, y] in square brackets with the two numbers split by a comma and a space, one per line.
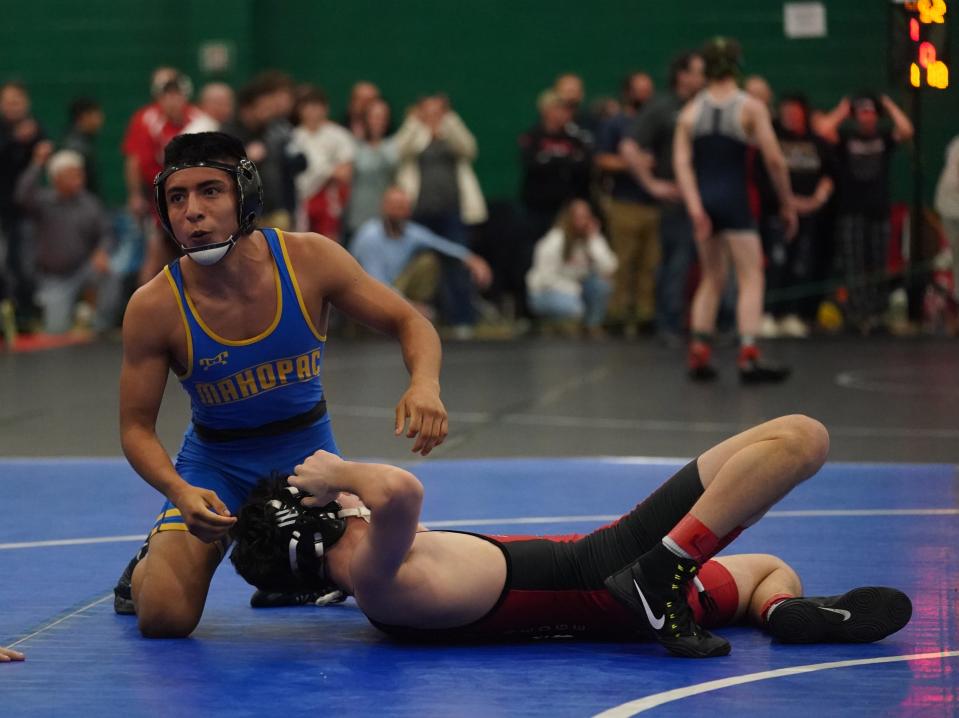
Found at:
[651, 573]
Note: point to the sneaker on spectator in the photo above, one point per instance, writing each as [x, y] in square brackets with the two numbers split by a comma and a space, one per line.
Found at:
[769, 329]
[793, 326]
[83, 315]
[462, 332]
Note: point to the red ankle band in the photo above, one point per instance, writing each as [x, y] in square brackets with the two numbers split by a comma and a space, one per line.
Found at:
[773, 600]
[695, 538]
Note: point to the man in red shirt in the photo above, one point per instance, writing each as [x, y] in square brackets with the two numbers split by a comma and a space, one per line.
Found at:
[148, 133]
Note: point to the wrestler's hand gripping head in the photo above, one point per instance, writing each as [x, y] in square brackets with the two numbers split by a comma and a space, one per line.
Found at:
[198, 154]
[281, 544]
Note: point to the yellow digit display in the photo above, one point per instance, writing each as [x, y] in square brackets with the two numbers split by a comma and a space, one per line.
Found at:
[927, 40]
[931, 11]
[937, 75]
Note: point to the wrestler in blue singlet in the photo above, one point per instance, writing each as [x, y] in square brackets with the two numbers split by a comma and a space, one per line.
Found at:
[258, 404]
[720, 150]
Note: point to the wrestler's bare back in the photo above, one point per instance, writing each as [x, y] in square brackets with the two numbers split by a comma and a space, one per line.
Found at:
[447, 579]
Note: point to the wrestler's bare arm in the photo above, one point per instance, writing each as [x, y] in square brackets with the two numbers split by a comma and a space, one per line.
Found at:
[147, 331]
[143, 377]
[393, 495]
[683, 162]
[356, 293]
[341, 279]
[686, 175]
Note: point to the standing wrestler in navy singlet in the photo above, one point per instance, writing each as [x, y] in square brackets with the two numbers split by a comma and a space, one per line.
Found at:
[651, 574]
[710, 156]
[241, 321]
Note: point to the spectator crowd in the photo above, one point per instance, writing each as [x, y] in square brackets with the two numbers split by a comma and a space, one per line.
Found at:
[597, 241]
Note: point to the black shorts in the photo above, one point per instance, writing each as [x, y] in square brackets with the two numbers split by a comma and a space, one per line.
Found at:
[729, 214]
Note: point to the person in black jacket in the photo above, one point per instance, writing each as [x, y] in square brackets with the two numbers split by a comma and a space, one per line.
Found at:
[556, 164]
[19, 135]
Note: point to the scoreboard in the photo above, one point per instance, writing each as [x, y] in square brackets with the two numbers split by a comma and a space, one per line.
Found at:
[919, 48]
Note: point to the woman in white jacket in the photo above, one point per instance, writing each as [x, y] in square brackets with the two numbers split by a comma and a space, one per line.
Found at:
[429, 122]
[572, 268]
[436, 152]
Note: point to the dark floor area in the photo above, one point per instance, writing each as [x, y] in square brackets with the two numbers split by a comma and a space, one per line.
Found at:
[883, 399]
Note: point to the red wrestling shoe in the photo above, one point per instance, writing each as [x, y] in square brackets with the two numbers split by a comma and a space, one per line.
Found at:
[698, 362]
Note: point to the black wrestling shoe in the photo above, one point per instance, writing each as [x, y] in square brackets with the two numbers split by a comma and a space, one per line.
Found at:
[862, 615]
[703, 372]
[123, 591]
[664, 611]
[754, 371]
[273, 599]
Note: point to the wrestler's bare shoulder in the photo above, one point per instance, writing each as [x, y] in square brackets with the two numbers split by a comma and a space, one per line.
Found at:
[688, 113]
[321, 265]
[153, 311]
[308, 245]
[155, 300]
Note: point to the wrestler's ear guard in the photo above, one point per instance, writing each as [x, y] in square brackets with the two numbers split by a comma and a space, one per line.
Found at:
[249, 192]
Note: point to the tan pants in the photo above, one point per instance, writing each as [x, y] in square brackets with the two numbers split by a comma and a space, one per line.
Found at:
[419, 280]
[634, 238]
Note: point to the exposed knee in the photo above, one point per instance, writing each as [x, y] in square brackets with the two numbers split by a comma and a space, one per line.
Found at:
[785, 574]
[808, 440]
[160, 617]
[170, 584]
[166, 621]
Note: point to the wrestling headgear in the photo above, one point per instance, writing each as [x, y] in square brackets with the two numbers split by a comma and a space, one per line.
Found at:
[281, 544]
[249, 191]
[723, 57]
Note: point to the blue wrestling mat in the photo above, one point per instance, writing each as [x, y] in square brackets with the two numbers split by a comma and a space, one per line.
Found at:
[70, 526]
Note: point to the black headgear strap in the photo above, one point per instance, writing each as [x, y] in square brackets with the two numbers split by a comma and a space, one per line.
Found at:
[309, 532]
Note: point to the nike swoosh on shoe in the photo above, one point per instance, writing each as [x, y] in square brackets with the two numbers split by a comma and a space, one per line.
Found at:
[656, 623]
